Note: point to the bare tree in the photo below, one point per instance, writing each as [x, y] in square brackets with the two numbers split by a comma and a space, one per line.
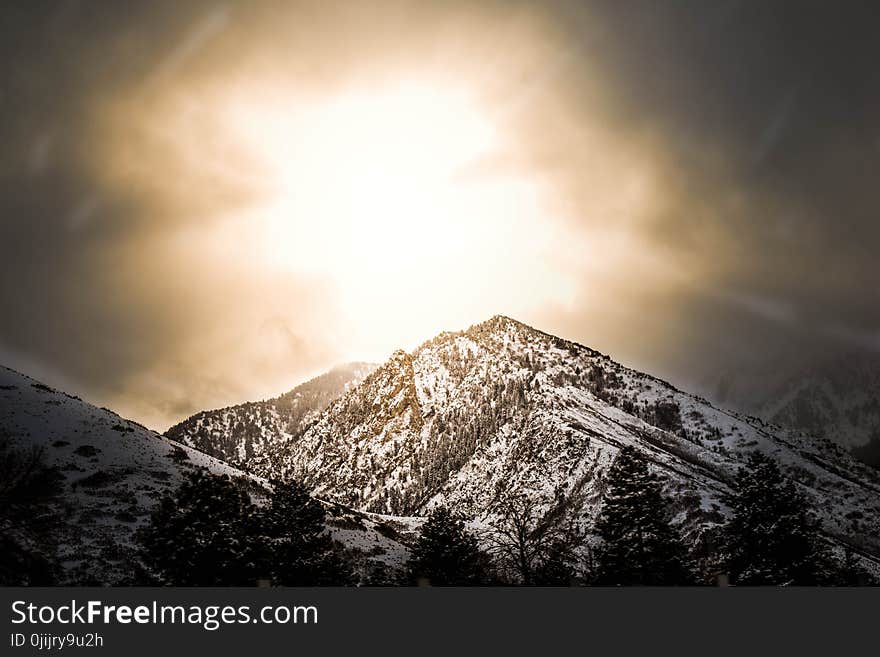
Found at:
[29, 491]
[535, 547]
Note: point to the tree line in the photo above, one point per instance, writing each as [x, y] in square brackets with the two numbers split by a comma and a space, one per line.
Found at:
[211, 532]
[772, 538]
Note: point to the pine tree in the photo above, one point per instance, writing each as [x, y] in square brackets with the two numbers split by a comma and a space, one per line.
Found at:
[295, 548]
[199, 536]
[639, 546]
[446, 554]
[772, 537]
[559, 565]
[209, 533]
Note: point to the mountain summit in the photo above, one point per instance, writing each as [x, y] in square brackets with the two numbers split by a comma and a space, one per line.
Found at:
[504, 411]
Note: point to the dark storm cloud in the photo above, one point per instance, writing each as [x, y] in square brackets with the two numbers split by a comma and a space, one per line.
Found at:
[56, 57]
[771, 146]
[773, 105]
[83, 304]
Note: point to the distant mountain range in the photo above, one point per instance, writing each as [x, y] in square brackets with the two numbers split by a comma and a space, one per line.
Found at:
[837, 398]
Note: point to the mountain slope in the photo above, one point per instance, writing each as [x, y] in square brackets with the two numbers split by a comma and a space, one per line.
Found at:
[115, 471]
[840, 402]
[242, 434]
[837, 398]
[478, 417]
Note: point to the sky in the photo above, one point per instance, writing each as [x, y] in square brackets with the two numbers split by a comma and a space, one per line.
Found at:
[209, 202]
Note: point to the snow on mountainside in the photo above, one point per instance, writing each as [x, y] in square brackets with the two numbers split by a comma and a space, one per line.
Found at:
[242, 434]
[475, 417]
[115, 471]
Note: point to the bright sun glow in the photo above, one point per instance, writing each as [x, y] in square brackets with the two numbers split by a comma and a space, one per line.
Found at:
[392, 194]
[313, 198]
[374, 177]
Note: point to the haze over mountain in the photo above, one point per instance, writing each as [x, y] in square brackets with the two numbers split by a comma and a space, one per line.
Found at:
[502, 411]
[838, 398]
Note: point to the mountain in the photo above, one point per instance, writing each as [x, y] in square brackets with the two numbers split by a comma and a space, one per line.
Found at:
[836, 398]
[478, 417]
[115, 471]
[840, 401]
[242, 434]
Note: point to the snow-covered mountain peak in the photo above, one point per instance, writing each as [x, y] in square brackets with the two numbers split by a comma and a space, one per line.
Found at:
[474, 417]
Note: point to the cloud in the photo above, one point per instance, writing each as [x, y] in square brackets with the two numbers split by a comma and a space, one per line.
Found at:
[709, 169]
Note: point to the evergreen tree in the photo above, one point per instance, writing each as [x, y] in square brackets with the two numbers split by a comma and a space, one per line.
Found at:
[772, 537]
[639, 546]
[559, 565]
[295, 548]
[378, 573]
[200, 536]
[446, 554]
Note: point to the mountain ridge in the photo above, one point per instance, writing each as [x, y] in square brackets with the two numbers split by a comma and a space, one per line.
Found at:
[502, 409]
[242, 432]
[476, 419]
